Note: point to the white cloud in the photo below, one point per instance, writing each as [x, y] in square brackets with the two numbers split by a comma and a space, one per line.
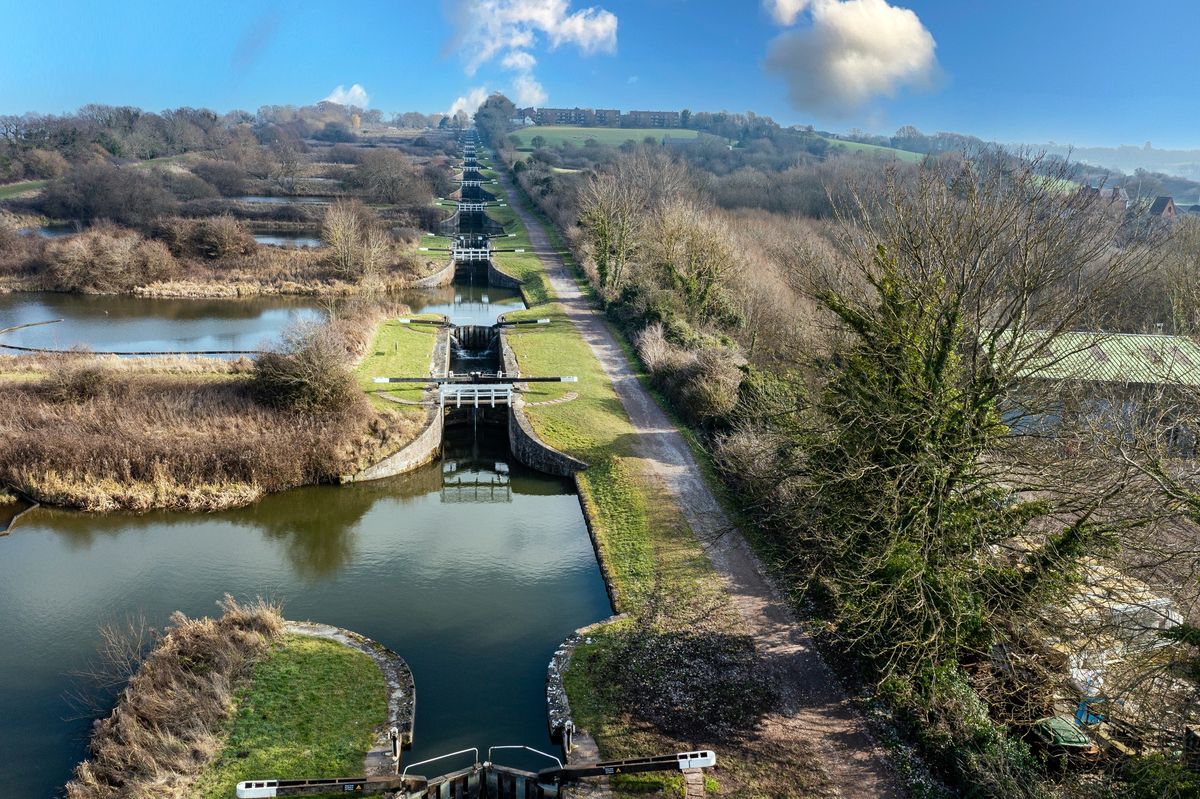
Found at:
[853, 52]
[356, 95]
[469, 102]
[528, 91]
[519, 60]
[633, 79]
[509, 29]
[785, 12]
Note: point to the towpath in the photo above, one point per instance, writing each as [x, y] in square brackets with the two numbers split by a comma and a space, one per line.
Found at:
[815, 714]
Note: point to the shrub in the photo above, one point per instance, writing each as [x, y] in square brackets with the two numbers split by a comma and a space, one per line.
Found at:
[307, 372]
[45, 164]
[225, 176]
[953, 727]
[125, 195]
[80, 379]
[107, 260]
[706, 390]
[222, 237]
[186, 186]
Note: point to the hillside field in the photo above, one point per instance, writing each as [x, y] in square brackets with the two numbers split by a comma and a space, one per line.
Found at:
[557, 134]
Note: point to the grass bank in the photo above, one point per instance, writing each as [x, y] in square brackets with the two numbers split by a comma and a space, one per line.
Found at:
[399, 350]
[10, 190]
[875, 150]
[680, 640]
[309, 710]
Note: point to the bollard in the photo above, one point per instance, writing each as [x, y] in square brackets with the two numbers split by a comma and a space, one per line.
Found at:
[568, 737]
[394, 738]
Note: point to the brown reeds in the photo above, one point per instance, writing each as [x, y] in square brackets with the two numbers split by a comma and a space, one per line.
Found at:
[169, 720]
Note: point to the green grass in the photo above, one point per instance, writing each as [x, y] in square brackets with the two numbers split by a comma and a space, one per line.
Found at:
[10, 190]
[647, 548]
[875, 149]
[399, 350]
[309, 711]
[557, 134]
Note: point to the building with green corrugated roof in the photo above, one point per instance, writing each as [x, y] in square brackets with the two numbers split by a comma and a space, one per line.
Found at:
[1122, 358]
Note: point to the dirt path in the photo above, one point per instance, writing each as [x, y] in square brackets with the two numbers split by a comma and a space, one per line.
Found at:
[815, 712]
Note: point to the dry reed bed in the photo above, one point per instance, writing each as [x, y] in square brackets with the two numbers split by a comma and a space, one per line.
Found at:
[101, 440]
[170, 719]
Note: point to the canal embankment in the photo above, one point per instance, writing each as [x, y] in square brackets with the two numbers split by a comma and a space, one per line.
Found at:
[701, 613]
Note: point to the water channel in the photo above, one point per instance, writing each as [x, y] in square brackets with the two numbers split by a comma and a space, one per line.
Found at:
[123, 323]
[474, 568]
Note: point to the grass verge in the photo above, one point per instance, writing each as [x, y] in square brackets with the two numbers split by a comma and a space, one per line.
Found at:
[309, 711]
[399, 350]
[10, 190]
[681, 624]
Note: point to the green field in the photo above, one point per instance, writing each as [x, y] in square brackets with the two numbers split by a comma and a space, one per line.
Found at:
[875, 149]
[13, 189]
[310, 711]
[557, 134]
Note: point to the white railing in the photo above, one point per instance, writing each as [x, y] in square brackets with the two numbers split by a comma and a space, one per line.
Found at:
[475, 394]
[465, 254]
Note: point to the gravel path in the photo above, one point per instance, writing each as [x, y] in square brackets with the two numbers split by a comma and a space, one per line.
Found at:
[815, 714]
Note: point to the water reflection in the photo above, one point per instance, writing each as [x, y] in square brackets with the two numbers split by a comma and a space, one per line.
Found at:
[476, 593]
[288, 238]
[107, 322]
[466, 303]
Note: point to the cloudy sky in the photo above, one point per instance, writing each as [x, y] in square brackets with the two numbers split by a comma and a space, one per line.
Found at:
[1082, 71]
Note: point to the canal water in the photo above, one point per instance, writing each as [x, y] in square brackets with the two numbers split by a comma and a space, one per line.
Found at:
[123, 323]
[473, 568]
[288, 238]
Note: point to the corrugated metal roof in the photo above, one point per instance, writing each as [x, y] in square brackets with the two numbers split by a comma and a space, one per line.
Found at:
[1121, 358]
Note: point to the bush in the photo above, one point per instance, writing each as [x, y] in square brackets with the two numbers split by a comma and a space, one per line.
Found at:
[126, 195]
[307, 372]
[79, 379]
[186, 186]
[225, 176]
[952, 725]
[222, 237]
[107, 260]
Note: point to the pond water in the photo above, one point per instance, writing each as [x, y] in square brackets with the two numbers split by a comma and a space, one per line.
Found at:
[53, 231]
[122, 323]
[288, 238]
[474, 569]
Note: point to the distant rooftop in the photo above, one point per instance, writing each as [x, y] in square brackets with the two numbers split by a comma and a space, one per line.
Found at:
[1131, 358]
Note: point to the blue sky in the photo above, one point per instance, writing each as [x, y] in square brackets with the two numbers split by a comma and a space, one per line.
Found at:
[1088, 72]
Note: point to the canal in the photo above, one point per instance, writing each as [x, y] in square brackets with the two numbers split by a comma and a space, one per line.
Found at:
[473, 568]
[124, 323]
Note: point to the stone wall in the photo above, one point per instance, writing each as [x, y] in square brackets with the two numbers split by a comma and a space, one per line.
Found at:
[501, 279]
[442, 277]
[522, 440]
[532, 451]
[421, 450]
